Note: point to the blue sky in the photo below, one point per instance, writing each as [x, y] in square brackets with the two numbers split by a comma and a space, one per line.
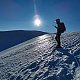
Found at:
[18, 14]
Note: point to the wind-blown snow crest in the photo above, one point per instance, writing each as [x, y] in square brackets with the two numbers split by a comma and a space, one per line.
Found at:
[38, 59]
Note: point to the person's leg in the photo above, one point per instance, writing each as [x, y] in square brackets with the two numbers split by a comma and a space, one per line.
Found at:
[58, 40]
[59, 43]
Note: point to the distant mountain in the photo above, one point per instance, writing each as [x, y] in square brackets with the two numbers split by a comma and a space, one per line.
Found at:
[12, 38]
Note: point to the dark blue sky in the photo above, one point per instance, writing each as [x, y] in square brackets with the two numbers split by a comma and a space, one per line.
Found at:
[18, 14]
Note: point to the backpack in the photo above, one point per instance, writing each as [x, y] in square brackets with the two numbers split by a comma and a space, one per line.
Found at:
[62, 27]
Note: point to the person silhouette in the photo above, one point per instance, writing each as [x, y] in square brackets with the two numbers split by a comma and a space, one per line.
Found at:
[60, 29]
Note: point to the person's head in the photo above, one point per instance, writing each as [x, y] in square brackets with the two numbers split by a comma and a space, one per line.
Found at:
[57, 21]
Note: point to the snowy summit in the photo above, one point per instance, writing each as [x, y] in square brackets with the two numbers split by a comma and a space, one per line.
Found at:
[38, 59]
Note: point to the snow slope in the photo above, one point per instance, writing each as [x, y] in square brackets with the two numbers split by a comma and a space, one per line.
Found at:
[15, 37]
[37, 59]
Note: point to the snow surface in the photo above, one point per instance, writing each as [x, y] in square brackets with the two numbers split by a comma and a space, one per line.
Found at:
[37, 59]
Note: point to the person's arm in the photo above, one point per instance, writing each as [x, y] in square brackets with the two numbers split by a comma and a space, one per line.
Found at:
[55, 27]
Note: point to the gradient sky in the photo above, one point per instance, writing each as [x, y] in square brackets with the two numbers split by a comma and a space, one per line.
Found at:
[18, 14]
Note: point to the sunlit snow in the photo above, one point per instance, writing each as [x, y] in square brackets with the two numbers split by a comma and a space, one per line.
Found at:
[37, 59]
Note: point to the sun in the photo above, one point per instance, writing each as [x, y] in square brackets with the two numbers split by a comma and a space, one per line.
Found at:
[37, 21]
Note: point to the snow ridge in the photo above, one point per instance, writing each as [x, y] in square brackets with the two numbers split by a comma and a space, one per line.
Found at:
[39, 60]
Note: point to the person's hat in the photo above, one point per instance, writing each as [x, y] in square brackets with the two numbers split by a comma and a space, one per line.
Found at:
[57, 20]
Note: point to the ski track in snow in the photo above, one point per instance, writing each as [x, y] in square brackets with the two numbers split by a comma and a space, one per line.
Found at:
[38, 59]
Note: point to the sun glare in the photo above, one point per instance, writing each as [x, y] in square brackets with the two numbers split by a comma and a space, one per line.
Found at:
[37, 21]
